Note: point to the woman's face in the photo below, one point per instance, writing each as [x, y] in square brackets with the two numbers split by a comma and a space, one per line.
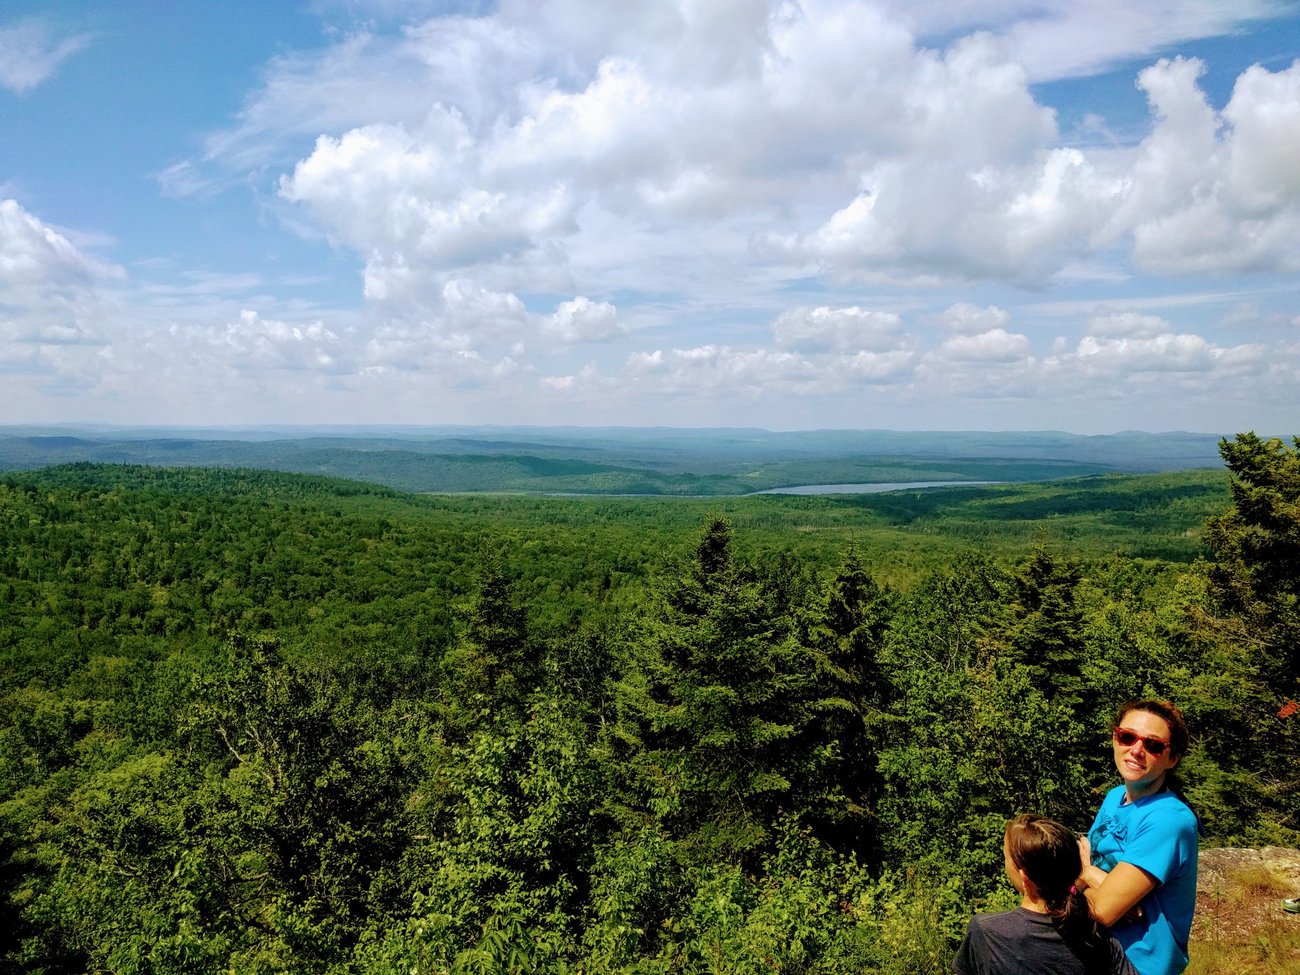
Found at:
[1137, 766]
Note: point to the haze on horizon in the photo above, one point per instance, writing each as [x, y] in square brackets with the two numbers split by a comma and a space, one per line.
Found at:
[784, 214]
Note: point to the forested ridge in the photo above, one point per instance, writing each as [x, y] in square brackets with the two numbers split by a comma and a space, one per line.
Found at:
[262, 722]
[618, 461]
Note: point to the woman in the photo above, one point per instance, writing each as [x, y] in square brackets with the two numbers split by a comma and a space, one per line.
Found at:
[1139, 858]
[1052, 932]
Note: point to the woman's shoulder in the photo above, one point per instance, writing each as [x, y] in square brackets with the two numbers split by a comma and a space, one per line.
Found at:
[1171, 806]
[1114, 797]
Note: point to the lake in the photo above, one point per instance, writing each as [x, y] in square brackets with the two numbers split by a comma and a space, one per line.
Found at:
[874, 488]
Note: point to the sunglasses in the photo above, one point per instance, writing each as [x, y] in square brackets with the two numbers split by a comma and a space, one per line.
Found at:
[1127, 739]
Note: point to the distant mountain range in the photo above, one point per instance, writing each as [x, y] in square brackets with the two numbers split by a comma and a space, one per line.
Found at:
[616, 460]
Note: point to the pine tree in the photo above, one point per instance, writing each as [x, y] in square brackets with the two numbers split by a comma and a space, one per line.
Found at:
[1047, 628]
[1254, 624]
[712, 709]
[493, 666]
[846, 628]
[1256, 544]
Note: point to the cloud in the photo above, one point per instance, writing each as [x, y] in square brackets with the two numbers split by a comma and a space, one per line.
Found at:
[584, 383]
[1162, 354]
[1066, 39]
[541, 147]
[476, 313]
[995, 345]
[718, 370]
[50, 291]
[970, 185]
[29, 54]
[1216, 192]
[734, 185]
[1126, 324]
[34, 255]
[841, 329]
[416, 207]
[583, 320]
[767, 375]
[1263, 163]
[256, 344]
[874, 368]
[967, 319]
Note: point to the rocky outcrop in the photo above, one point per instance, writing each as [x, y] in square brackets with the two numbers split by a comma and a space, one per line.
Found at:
[1221, 868]
[1238, 891]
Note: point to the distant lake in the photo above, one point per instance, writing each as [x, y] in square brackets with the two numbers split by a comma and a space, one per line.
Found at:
[875, 488]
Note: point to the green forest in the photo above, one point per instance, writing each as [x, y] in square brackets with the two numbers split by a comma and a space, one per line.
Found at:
[258, 721]
[618, 461]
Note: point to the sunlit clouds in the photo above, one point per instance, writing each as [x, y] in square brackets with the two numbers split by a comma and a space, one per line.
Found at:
[700, 213]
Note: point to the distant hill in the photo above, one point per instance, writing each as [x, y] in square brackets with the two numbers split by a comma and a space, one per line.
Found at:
[617, 460]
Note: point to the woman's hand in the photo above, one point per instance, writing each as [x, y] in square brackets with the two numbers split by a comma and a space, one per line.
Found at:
[1115, 897]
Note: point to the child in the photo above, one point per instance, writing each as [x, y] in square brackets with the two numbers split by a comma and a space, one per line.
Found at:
[1052, 932]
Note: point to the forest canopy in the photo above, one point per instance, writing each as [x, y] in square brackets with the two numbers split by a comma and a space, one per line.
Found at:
[266, 722]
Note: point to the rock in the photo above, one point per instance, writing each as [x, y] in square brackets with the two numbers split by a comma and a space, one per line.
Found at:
[1218, 866]
[1237, 897]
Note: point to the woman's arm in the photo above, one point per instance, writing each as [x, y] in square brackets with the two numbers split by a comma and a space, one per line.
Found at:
[1112, 896]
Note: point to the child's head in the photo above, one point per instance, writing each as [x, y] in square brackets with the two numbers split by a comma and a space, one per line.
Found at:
[1044, 853]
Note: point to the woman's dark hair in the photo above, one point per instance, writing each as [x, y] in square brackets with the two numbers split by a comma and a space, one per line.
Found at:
[1048, 853]
[1167, 712]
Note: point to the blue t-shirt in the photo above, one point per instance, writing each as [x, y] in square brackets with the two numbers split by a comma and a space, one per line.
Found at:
[1158, 835]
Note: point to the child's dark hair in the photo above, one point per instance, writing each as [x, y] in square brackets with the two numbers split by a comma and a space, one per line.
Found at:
[1048, 853]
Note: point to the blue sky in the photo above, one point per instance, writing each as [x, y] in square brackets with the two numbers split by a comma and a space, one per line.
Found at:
[962, 214]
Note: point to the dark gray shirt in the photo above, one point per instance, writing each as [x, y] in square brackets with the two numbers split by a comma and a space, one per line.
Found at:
[1023, 942]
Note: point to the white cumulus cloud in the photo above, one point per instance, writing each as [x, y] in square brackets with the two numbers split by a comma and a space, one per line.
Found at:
[50, 290]
[851, 328]
[995, 345]
[812, 199]
[1211, 191]
[34, 255]
[966, 318]
[583, 320]
[253, 342]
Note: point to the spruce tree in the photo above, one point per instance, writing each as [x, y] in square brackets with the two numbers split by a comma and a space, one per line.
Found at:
[1047, 628]
[713, 705]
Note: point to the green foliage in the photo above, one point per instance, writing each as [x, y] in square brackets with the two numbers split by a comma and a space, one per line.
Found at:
[845, 626]
[493, 665]
[265, 723]
[1251, 636]
[1257, 550]
[717, 706]
[1047, 630]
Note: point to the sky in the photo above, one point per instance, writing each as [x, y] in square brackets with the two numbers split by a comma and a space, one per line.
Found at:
[1078, 215]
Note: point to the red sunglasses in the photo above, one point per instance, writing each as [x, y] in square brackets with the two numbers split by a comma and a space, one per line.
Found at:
[1127, 739]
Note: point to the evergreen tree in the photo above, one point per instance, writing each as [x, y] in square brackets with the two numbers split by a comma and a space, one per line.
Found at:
[845, 629]
[1256, 545]
[713, 708]
[1047, 628]
[493, 665]
[1254, 630]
